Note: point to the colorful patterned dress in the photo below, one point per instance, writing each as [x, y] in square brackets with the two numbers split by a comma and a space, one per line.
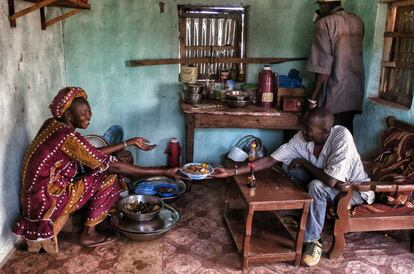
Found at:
[49, 189]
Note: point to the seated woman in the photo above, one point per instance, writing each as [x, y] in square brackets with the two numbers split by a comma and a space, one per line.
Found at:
[50, 189]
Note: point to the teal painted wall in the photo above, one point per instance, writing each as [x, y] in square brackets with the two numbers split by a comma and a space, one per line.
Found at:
[145, 100]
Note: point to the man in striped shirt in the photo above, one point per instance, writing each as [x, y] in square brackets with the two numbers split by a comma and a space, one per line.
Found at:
[320, 157]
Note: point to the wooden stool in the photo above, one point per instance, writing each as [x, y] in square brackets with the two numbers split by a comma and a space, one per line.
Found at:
[49, 245]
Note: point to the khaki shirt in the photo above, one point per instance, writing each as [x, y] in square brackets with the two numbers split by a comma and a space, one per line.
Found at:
[337, 51]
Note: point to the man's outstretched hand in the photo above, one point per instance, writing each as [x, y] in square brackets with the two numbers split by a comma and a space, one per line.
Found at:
[222, 173]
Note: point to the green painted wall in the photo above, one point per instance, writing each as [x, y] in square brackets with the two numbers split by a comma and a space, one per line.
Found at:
[145, 101]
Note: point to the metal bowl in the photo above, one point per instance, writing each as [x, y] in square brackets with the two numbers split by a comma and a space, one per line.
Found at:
[96, 141]
[142, 237]
[150, 230]
[136, 199]
[237, 95]
[193, 98]
[157, 180]
[236, 103]
[193, 88]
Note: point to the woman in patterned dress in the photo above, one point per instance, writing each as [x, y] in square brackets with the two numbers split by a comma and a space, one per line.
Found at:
[50, 190]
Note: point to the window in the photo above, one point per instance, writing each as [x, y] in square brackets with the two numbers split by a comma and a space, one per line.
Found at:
[208, 33]
[397, 71]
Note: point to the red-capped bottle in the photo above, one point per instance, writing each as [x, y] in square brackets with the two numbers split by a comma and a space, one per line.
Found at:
[251, 180]
[265, 92]
[173, 152]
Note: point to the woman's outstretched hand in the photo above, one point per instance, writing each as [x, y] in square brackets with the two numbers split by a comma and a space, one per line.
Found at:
[222, 173]
[141, 143]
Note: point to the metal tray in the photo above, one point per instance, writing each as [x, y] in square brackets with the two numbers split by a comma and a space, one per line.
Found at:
[166, 220]
[181, 187]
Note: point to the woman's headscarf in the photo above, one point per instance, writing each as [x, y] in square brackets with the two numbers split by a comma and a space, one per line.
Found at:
[64, 99]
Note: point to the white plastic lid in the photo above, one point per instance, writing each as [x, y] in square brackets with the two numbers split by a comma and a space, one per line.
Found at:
[267, 68]
[173, 140]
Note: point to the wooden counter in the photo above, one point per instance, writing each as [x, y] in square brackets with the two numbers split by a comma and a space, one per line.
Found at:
[213, 114]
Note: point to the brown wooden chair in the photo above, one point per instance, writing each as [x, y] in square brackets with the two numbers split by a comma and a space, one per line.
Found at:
[349, 220]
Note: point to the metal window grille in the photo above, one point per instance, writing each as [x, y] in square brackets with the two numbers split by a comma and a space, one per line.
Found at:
[212, 32]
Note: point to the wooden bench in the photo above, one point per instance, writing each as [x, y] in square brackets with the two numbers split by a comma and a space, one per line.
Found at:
[348, 221]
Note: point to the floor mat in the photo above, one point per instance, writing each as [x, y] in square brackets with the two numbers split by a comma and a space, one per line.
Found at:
[201, 244]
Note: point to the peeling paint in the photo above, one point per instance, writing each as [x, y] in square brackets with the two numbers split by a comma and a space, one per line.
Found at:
[31, 73]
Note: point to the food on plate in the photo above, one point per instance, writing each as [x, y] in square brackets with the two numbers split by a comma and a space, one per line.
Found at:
[198, 169]
[165, 190]
[141, 208]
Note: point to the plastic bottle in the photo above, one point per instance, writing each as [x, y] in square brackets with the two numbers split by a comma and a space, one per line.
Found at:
[173, 152]
[251, 180]
[265, 93]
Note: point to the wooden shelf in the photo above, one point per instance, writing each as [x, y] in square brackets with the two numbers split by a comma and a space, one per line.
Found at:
[270, 240]
[206, 60]
[76, 5]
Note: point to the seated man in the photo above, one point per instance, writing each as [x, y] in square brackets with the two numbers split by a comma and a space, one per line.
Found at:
[327, 155]
[50, 188]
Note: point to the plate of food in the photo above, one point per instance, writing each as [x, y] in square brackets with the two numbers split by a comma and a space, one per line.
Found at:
[197, 171]
[165, 190]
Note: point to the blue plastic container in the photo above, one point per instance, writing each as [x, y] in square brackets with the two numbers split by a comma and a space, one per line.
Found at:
[145, 188]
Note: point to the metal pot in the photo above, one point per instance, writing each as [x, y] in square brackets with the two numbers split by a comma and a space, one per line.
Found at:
[237, 95]
[193, 88]
[136, 199]
[193, 98]
[237, 103]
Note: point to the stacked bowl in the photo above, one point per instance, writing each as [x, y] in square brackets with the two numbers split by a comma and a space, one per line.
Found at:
[193, 93]
[237, 98]
[144, 217]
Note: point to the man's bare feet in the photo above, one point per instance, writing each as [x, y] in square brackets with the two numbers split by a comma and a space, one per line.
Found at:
[91, 237]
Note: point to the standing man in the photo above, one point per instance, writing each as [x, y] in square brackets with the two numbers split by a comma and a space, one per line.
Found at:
[320, 157]
[336, 61]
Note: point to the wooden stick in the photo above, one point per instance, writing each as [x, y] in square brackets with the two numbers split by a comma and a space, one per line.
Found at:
[259, 60]
[42, 18]
[31, 8]
[11, 12]
[60, 18]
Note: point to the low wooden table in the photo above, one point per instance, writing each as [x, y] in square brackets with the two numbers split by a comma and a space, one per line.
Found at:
[260, 235]
[209, 116]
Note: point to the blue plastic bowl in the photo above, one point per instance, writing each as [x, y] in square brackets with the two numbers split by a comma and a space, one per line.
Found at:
[161, 194]
[145, 188]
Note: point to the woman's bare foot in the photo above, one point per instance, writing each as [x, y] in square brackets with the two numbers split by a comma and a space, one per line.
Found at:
[91, 237]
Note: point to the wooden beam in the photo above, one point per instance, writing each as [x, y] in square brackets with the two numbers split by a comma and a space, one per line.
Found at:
[73, 4]
[399, 34]
[210, 47]
[31, 8]
[400, 65]
[60, 18]
[42, 18]
[11, 12]
[259, 60]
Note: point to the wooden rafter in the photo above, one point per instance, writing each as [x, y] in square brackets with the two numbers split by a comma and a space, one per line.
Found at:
[76, 5]
[259, 60]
